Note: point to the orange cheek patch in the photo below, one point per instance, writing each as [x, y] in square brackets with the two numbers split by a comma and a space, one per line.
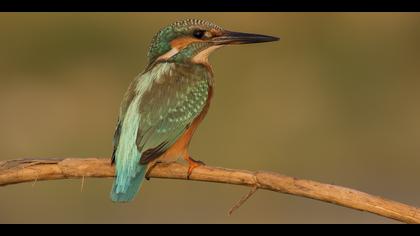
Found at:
[177, 45]
[215, 32]
[183, 42]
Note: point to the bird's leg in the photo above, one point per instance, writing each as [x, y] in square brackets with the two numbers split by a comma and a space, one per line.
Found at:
[153, 165]
[192, 164]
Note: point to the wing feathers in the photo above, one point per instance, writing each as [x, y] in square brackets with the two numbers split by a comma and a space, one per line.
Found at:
[169, 106]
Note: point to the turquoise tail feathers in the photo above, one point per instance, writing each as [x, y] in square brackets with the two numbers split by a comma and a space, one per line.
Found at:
[130, 173]
[125, 191]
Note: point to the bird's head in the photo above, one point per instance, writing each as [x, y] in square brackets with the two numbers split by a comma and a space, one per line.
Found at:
[193, 40]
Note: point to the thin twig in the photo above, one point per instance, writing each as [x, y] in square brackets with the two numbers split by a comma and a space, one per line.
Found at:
[11, 172]
[242, 200]
[36, 179]
[83, 182]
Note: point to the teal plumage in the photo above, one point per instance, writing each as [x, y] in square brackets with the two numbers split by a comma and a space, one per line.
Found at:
[161, 41]
[164, 104]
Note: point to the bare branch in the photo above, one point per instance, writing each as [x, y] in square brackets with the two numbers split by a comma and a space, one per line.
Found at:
[27, 170]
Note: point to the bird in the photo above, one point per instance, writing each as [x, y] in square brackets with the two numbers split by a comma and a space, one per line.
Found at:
[165, 103]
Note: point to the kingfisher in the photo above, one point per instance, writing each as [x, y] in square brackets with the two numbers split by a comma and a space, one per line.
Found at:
[165, 103]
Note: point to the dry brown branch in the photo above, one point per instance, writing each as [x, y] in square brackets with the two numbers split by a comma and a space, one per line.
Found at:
[27, 170]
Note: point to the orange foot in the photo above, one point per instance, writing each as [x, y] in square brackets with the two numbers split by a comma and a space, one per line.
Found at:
[192, 164]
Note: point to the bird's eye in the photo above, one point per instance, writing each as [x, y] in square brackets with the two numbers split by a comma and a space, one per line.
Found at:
[199, 34]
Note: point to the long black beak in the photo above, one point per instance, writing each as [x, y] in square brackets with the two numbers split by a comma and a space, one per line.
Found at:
[229, 37]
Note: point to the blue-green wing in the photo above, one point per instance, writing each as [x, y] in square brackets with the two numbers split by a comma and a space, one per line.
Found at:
[167, 109]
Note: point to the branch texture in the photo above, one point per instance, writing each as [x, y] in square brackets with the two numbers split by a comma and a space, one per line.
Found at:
[28, 170]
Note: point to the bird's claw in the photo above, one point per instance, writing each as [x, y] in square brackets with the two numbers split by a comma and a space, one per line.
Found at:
[147, 175]
[192, 164]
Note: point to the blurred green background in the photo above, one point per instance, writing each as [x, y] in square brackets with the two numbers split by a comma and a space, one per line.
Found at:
[336, 100]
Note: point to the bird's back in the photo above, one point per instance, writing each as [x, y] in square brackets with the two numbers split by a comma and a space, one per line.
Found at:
[157, 109]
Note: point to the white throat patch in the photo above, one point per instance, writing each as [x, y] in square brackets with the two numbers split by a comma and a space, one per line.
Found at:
[203, 56]
[168, 55]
